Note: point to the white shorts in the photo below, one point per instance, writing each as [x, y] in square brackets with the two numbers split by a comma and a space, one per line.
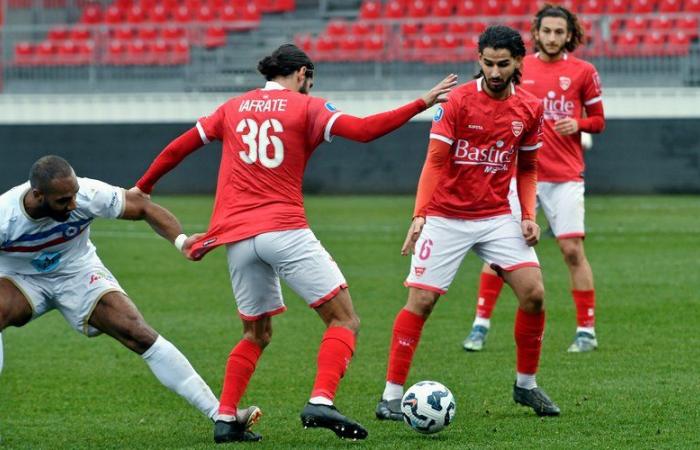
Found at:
[563, 206]
[257, 264]
[74, 295]
[444, 242]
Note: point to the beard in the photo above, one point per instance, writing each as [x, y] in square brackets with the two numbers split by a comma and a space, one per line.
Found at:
[59, 216]
[501, 86]
[551, 53]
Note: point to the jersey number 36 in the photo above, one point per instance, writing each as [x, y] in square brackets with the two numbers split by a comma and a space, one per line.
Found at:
[258, 139]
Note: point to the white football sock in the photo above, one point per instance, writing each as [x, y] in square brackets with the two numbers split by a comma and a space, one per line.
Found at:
[1, 352]
[589, 330]
[177, 374]
[526, 381]
[486, 323]
[392, 391]
[321, 401]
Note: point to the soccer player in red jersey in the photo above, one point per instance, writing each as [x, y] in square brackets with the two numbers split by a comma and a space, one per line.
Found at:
[486, 127]
[268, 136]
[571, 94]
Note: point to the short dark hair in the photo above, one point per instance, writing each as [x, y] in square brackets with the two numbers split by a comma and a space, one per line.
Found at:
[287, 59]
[572, 24]
[503, 37]
[46, 169]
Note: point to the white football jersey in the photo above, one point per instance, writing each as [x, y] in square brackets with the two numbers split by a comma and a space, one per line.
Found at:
[29, 246]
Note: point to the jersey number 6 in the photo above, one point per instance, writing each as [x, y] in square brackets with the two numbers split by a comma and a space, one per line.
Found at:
[258, 139]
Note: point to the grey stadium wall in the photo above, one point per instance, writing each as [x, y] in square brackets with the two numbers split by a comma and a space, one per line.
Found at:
[637, 154]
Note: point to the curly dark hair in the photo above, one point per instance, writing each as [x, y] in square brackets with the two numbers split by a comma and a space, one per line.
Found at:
[502, 37]
[288, 58]
[572, 24]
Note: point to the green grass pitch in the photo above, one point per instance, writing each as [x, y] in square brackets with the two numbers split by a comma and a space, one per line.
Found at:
[639, 390]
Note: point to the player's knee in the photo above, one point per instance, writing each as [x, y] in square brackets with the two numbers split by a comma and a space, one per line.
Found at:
[261, 338]
[532, 300]
[352, 323]
[573, 253]
[421, 302]
[139, 335]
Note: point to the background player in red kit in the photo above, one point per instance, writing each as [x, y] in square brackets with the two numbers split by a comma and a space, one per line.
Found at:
[567, 86]
[268, 136]
[462, 203]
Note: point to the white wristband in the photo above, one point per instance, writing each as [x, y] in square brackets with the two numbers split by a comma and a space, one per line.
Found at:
[180, 241]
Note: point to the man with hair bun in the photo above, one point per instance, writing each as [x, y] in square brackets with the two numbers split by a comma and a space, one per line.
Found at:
[486, 128]
[568, 87]
[268, 136]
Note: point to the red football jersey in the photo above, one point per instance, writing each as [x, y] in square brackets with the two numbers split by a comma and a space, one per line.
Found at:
[485, 134]
[268, 136]
[565, 87]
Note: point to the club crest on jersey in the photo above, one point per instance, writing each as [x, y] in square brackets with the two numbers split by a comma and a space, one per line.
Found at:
[564, 82]
[331, 107]
[517, 127]
[438, 114]
[419, 271]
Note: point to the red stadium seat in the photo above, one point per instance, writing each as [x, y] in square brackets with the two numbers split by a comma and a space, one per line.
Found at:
[123, 33]
[424, 48]
[479, 26]
[46, 53]
[193, 5]
[181, 52]
[325, 48]
[418, 8]
[147, 33]
[67, 53]
[434, 28]
[215, 37]
[337, 28]
[643, 6]
[691, 6]
[679, 43]
[116, 53]
[91, 14]
[58, 33]
[305, 42]
[251, 14]
[516, 7]
[471, 47]
[592, 7]
[228, 15]
[350, 48]
[653, 44]
[393, 10]
[86, 52]
[626, 44]
[205, 14]
[669, 6]
[137, 53]
[172, 32]
[361, 29]
[661, 23]
[371, 9]
[442, 8]
[123, 4]
[161, 53]
[114, 15]
[410, 28]
[24, 54]
[616, 25]
[80, 33]
[158, 14]
[467, 8]
[458, 27]
[618, 6]
[136, 15]
[491, 8]
[688, 25]
[373, 47]
[638, 24]
[182, 14]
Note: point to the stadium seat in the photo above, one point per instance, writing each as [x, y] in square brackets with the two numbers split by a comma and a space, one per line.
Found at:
[467, 8]
[116, 53]
[325, 48]
[418, 8]
[46, 52]
[172, 32]
[147, 33]
[592, 7]
[91, 14]
[637, 24]
[350, 48]
[669, 6]
[229, 15]
[616, 25]
[643, 6]
[252, 15]
[158, 14]
[86, 52]
[393, 10]
[58, 33]
[361, 28]
[516, 7]
[691, 6]
[653, 44]
[181, 52]
[442, 8]
[67, 53]
[182, 14]
[458, 27]
[304, 41]
[337, 28]
[113, 15]
[626, 44]
[618, 6]
[215, 37]
[161, 53]
[492, 8]
[661, 23]
[410, 28]
[434, 28]
[123, 33]
[689, 25]
[373, 47]
[137, 53]
[24, 54]
[136, 15]
[479, 26]
[370, 9]
[80, 33]
[205, 14]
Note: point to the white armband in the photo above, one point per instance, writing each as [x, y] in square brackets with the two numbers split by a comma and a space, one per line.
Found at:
[180, 241]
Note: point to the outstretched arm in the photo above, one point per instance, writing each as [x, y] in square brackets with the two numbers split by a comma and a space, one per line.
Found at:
[170, 157]
[163, 222]
[365, 129]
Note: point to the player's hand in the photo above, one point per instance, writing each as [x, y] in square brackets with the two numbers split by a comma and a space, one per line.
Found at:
[438, 94]
[137, 191]
[566, 126]
[531, 232]
[412, 236]
[189, 242]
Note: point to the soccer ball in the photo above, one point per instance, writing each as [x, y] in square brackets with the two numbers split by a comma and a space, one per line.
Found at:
[428, 407]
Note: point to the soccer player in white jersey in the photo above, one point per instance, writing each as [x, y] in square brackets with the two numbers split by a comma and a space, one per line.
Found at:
[48, 262]
[571, 94]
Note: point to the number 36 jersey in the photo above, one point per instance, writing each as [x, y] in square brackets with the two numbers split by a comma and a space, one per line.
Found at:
[268, 137]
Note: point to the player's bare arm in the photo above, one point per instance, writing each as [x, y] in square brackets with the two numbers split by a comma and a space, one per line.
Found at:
[412, 236]
[566, 127]
[163, 222]
[531, 232]
[438, 94]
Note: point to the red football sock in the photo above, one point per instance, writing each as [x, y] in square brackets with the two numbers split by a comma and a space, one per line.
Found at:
[334, 355]
[489, 289]
[239, 368]
[405, 337]
[585, 307]
[529, 329]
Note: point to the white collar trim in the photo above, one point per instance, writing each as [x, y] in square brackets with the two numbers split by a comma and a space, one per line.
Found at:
[273, 86]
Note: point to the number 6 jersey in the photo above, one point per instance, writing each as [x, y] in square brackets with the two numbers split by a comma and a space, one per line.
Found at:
[268, 136]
